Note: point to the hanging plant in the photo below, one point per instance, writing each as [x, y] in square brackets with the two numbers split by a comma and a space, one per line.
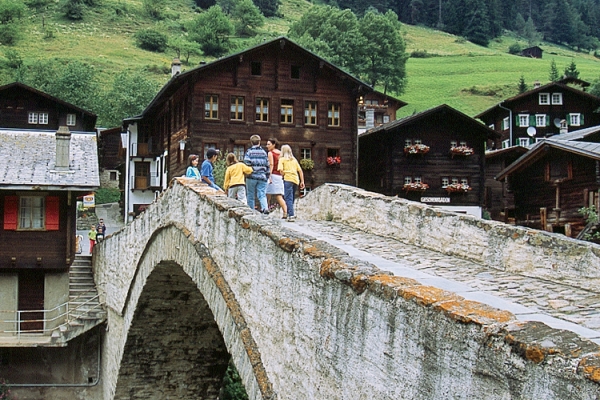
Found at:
[307, 164]
[458, 188]
[461, 151]
[334, 161]
[415, 187]
[416, 149]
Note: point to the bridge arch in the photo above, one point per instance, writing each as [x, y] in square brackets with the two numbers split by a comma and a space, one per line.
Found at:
[184, 324]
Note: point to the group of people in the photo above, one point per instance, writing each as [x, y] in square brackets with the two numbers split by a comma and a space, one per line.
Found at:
[264, 175]
[96, 234]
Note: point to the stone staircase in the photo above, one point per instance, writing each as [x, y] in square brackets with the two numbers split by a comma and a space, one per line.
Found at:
[85, 310]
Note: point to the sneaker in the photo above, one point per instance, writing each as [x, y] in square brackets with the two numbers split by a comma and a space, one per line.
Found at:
[284, 216]
[292, 218]
[266, 212]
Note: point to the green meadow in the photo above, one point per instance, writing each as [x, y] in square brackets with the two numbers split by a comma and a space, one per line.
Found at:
[465, 76]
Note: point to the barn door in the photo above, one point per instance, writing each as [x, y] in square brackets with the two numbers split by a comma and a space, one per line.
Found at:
[31, 297]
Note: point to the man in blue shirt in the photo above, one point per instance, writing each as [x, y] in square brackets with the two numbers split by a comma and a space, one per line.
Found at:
[207, 168]
[256, 182]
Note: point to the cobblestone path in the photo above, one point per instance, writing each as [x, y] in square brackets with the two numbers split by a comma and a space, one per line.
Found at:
[560, 305]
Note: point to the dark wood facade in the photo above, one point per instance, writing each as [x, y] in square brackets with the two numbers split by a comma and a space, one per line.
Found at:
[386, 165]
[276, 89]
[376, 109]
[538, 113]
[499, 201]
[24, 107]
[552, 182]
[49, 247]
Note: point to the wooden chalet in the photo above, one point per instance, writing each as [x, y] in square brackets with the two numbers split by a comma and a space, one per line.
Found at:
[111, 158]
[42, 171]
[276, 89]
[499, 201]
[376, 109]
[552, 181]
[435, 157]
[539, 113]
[532, 52]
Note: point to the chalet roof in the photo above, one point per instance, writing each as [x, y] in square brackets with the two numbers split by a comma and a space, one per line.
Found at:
[578, 134]
[28, 159]
[179, 79]
[17, 85]
[411, 119]
[506, 151]
[574, 81]
[399, 102]
[552, 86]
[585, 149]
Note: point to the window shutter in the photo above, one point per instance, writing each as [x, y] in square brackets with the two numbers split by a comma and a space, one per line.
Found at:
[547, 120]
[52, 213]
[581, 119]
[568, 119]
[11, 212]
[517, 120]
[532, 120]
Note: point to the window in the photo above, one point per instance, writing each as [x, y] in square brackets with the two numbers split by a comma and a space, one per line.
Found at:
[463, 143]
[262, 109]
[544, 98]
[211, 106]
[407, 143]
[295, 72]
[407, 180]
[112, 176]
[524, 142]
[37, 118]
[523, 119]
[454, 180]
[208, 146]
[418, 141]
[453, 143]
[237, 108]
[142, 175]
[305, 153]
[505, 124]
[505, 143]
[445, 182]
[71, 119]
[559, 170]
[287, 111]
[540, 119]
[239, 151]
[310, 113]
[333, 114]
[417, 179]
[575, 119]
[464, 181]
[557, 98]
[386, 119]
[256, 68]
[31, 213]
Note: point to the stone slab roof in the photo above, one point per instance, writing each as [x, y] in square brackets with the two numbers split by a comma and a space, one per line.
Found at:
[28, 159]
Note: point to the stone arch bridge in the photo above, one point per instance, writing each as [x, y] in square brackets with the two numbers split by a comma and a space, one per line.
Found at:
[304, 313]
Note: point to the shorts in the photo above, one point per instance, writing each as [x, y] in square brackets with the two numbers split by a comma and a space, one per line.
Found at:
[276, 186]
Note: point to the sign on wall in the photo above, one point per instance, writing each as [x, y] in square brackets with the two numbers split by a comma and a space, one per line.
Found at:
[435, 199]
[89, 201]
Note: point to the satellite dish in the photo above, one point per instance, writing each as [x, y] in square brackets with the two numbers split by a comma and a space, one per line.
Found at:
[557, 122]
[531, 131]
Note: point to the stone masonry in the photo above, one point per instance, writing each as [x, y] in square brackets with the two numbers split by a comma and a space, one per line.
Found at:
[304, 320]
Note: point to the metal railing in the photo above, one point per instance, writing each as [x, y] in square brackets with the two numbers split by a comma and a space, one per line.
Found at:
[53, 319]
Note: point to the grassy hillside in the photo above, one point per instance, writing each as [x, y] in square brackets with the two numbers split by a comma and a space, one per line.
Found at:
[468, 77]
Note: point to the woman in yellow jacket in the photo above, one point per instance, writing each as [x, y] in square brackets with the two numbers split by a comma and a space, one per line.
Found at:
[235, 182]
[292, 176]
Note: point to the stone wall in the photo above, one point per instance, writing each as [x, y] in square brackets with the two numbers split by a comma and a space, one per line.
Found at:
[505, 247]
[303, 320]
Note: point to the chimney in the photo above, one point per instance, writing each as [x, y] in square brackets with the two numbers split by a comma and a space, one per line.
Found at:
[175, 67]
[563, 126]
[536, 84]
[63, 148]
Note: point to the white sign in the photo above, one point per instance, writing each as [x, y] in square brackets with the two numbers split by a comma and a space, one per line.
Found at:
[89, 201]
[435, 199]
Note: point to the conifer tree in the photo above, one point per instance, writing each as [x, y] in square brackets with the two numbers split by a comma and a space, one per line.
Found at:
[554, 76]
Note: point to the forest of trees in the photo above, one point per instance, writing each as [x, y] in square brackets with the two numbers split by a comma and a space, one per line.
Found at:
[575, 23]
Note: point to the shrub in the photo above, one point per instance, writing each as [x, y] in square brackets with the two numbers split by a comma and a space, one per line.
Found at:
[219, 171]
[307, 164]
[151, 40]
[74, 9]
[107, 195]
[14, 59]
[514, 48]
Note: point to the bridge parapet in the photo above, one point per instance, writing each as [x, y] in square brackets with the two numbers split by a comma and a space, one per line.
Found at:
[505, 247]
[316, 323]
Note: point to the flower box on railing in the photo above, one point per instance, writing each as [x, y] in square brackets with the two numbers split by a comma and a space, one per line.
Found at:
[416, 149]
[458, 188]
[334, 161]
[461, 151]
[415, 187]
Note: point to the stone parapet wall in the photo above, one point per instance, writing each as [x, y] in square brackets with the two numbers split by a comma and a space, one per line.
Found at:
[495, 244]
[318, 324]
